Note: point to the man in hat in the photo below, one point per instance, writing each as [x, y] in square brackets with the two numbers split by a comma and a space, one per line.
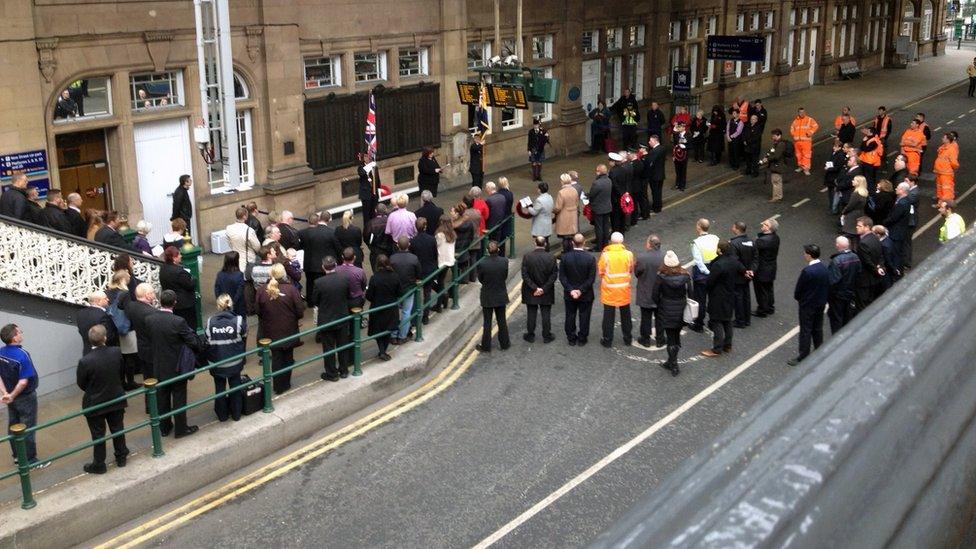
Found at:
[620, 180]
[680, 156]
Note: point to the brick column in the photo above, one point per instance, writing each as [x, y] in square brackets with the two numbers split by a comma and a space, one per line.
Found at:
[656, 61]
[828, 72]
[726, 69]
[570, 116]
[449, 58]
[783, 68]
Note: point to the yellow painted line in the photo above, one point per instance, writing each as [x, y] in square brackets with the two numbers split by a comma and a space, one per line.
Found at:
[279, 467]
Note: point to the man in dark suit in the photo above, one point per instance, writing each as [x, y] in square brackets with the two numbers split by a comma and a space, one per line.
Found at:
[253, 222]
[577, 274]
[745, 251]
[496, 214]
[723, 272]
[654, 162]
[138, 310]
[873, 269]
[424, 246]
[811, 292]
[168, 334]
[368, 191]
[493, 275]
[100, 377]
[76, 222]
[429, 211]
[646, 266]
[620, 174]
[845, 181]
[108, 233]
[318, 240]
[599, 196]
[331, 296]
[95, 314]
[53, 214]
[407, 267]
[539, 272]
[182, 205]
[897, 225]
[906, 251]
[289, 235]
[844, 269]
[767, 251]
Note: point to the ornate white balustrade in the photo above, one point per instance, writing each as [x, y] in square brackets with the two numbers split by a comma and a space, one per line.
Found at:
[40, 263]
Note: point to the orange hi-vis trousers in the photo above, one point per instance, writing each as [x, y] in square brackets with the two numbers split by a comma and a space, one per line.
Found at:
[804, 153]
[913, 160]
[945, 186]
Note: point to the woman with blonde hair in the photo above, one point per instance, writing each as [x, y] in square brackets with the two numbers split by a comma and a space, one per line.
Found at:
[94, 219]
[350, 236]
[855, 208]
[174, 238]
[227, 337]
[280, 311]
[118, 297]
[446, 239]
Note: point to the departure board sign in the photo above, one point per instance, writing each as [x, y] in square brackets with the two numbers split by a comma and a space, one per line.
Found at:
[736, 48]
[507, 95]
[468, 93]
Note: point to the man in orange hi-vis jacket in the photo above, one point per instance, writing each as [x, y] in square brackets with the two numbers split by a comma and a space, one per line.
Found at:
[912, 142]
[946, 164]
[802, 130]
[839, 121]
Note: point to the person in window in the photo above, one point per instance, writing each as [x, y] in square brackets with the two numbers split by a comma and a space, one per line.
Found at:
[538, 139]
[144, 101]
[66, 107]
[430, 172]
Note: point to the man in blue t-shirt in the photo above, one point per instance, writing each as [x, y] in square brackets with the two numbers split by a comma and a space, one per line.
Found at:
[18, 382]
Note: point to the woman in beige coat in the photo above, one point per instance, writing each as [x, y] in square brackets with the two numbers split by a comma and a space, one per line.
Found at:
[566, 210]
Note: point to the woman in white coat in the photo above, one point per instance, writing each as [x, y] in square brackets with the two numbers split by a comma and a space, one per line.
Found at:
[541, 212]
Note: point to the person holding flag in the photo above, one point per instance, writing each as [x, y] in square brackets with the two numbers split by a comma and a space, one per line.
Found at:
[476, 164]
[368, 174]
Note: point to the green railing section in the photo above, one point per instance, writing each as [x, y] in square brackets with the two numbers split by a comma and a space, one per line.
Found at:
[19, 432]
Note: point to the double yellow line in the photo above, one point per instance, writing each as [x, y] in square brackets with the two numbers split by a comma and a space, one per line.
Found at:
[192, 509]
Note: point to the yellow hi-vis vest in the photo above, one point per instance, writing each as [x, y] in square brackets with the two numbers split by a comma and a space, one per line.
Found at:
[615, 267]
[953, 227]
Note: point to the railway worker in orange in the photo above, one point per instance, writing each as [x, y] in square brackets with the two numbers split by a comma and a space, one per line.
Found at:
[839, 121]
[912, 142]
[870, 156]
[946, 164]
[744, 111]
[802, 129]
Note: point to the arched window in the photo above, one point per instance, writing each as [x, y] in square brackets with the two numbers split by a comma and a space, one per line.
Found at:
[244, 134]
[240, 87]
[926, 30]
[907, 28]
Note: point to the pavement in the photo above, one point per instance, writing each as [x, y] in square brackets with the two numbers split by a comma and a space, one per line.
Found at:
[546, 445]
[528, 426]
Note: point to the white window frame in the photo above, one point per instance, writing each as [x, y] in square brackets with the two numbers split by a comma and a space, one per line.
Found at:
[423, 62]
[485, 48]
[754, 24]
[789, 48]
[925, 33]
[770, 19]
[108, 100]
[674, 61]
[802, 59]
[635, 69]
[594, 36]
[615, 38]
[335, 65]
[635, 36]
[712, 25]
[740, 22]
[612, 72]
[768, 59]
[691, 29]
[674, 33]
[176, 85]
[376, 76]
[851, 43]
[793, 17]
[816, 15]
[546, 41]
[842, 50]
[709, 75]
[515, 122]
[693, 63]
[804, 16]
[245, 138]
[546, 114]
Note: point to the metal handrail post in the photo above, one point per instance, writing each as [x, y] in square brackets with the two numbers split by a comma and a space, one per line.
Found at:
[357, 333]
[152, 401]
[455, 286]
[418, 309]
[18, 430]
[511, 237]
[266, 378]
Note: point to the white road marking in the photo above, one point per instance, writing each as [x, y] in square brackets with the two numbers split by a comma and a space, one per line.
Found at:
[823, 190]
[938, 218]
[937, 129]
[961, 116]
[949, 123]
[971, 111]
[632, 443]
[802, 202]
[775, 216]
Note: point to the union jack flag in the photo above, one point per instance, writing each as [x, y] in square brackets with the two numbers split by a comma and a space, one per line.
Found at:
[371, 129]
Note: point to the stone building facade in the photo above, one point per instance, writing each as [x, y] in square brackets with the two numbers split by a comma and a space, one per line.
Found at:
[304, 69]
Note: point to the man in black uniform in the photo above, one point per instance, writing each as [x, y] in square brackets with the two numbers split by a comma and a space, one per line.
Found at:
[654, 162]
[476, 165]
[493, 275]
[628, 112]
[539, 272]
[620, 179]
[53, 213]
[767, 250]
[638, 189]
[368, 191]
[745, 251]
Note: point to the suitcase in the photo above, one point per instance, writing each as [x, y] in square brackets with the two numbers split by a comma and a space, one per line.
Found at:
[610, 145]
[253, 396]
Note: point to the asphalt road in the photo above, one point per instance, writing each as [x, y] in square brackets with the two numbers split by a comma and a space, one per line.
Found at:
[520, 424]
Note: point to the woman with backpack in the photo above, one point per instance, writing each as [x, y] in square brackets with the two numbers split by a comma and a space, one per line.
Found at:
[118, 298]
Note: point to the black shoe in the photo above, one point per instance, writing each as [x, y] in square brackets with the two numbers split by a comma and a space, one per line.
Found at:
[581, 341]
[548, 338]
[675, 371]
[627, 341]
[793, 361]
[505, 347]
[94, 469]
[759, 314]
[660, 343]
[120, 461]
[344, 375]
[644, 341]
[482, 349]
[739, 324]
[385, 357]
[666, 365]
[606, 343]
[327, 377]
[165, 432]
[529, 337]
[696, 328]
[572, 342]
[727, 349]
[190, 429]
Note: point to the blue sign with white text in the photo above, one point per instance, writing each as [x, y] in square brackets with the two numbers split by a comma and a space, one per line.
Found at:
[736, 48]
[681, 81]
[30, 162]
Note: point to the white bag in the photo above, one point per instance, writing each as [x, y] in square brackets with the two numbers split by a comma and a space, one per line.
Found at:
[691, 311]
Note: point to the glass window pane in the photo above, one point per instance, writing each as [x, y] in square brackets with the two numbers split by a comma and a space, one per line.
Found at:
[321, 72]
[155, 90]
[84, 98]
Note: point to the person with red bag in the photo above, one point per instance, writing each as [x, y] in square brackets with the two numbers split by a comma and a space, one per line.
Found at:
[680, 156]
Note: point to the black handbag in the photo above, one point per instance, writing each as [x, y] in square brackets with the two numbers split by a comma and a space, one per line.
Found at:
[253, 395]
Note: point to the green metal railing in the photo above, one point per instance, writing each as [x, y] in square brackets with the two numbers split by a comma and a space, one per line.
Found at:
[19, 432]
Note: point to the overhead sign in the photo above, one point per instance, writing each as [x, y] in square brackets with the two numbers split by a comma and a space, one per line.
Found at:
[30, 163]
[468, 93]
[736, 48]
[681, 81]
[507, 95]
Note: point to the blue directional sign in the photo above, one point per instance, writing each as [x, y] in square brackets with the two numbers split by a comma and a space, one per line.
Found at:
[736, 48]
[30, 163]
[681, 81]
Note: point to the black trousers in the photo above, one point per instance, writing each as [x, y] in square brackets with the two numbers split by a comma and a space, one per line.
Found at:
[657, 195]
[972, 86]
[871, 174]
[97, 424]
[439, 287]
[618, 220]
[735, 153]
[811, 328]
[629, 134]
[189, 314]
[721, 334]
[131, 367]
[477, 179]
[281, 359]
[840, 311]
[699, 148]
[906, 253]
[673, 337]
[641, 201]
[742, 301]
[503, 341]
[432, 187]
[576, 309]
[228, 406]
[865, 295]
[310, 279]
[171, 397]
[626, 324]
[681, 174]
[601, 229]
[546, 319]
[651, 317]
[701, 296]
[765, 300]
[333, 339]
